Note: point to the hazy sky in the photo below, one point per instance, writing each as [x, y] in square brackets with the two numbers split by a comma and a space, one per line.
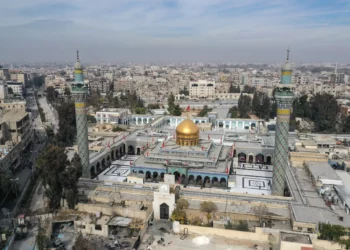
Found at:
[175, 30]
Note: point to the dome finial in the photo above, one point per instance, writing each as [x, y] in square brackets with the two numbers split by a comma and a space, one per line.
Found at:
[78, 56]
[288, 50]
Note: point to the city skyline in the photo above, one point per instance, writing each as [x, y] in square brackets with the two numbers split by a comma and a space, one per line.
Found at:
[173, 31]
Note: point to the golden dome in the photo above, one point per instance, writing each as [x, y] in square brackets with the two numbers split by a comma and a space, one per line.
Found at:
[187, 133]
[187, 127]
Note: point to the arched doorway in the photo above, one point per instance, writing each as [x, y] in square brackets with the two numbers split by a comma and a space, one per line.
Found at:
[155, 176]
[140, 172]
[103, 164]
[92, 172]
[268, 160]
[98, 166]
[191, 179]
[222, 182]
[251, 158]
[117, 154]
[148, 175]
[215, 181]
[121, 151]
[242, 157]
[162, 176]
[164, 211]
[199, 180]
[206, 179]
[259, 158]
[112, 154]
[177, 176]
[131, 150]
[138, 151]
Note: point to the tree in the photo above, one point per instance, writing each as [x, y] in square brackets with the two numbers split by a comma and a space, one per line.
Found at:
[51, 163]
[10, 90]
[260, 211]
[51, 94]
[261, 105]
[324, 110]
[171, 103]
[58, 175]
[66, 123]
[244, 106]
[38, 81]
[346, 124]
[41, 239]
[234, 89]
[67, 91]
[139, 110]
[177, 110]
[208, 207]
[153, 106]
[301, 107]
[248, 89]
[182, 204]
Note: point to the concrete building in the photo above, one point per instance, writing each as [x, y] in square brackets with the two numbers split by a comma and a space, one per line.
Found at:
[124, 84]
[163, 203]
[19, 77]
[301, 79]
[112, 116]
[3, 89]
[101, 84]
[202, 89]
[4, 74]
[79, 91]
[15, 136]
[15, 126]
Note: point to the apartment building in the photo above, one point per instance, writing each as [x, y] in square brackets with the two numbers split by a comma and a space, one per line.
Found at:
[202, 89]
[3, 89]
[57, 82]
[102, 85]
[4, 74]
[19, 77]
[301, 79]
[17, 88]
[124, 84]
[325, 87]
[15, 136]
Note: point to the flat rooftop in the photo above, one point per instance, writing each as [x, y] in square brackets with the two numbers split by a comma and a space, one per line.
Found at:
[295, 237]
[316, 215]
[322, 170]
[120, 221]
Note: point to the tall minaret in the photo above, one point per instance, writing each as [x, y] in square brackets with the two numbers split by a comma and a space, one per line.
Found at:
[79, 92]
[284, 96]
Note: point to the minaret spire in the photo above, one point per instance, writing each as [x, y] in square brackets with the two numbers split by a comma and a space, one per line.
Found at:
[78, 56]
[288, 50]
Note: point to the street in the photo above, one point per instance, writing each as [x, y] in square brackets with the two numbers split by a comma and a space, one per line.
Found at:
[51, 115]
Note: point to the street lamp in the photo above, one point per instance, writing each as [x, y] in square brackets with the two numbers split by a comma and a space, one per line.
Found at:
[15, 180]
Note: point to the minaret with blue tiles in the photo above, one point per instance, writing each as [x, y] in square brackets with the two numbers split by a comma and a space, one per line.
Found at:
[79, 92]
[284, 96]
